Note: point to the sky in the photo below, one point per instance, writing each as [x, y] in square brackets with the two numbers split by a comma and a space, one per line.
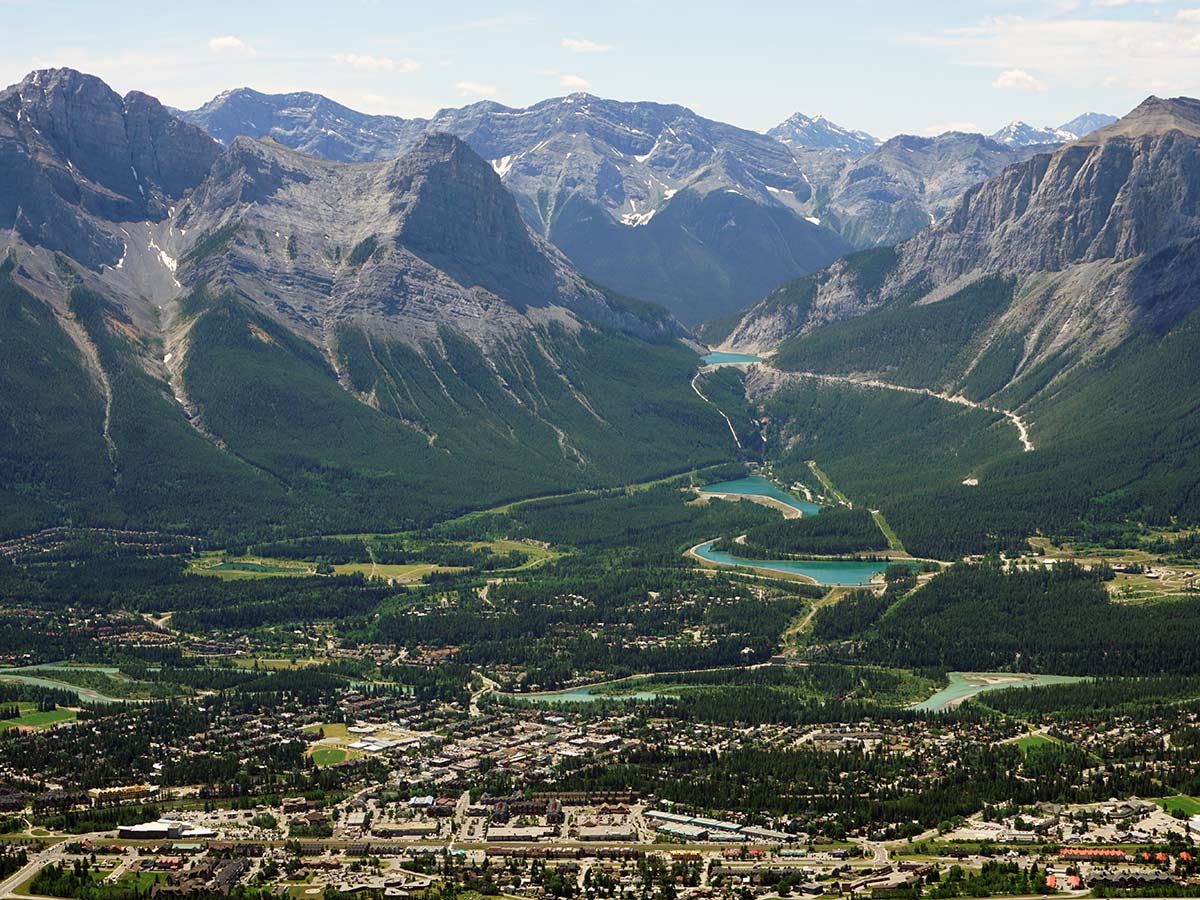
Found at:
[921, 66]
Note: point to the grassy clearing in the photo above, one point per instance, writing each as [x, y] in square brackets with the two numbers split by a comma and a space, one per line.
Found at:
[1189, 806]
[1033, 741]
[893, 539]
[268, 662]
[535, 554]
[142, 881]
[827, 484]
[330, 729]
[233, 569]
[31, 718]
[248, 567]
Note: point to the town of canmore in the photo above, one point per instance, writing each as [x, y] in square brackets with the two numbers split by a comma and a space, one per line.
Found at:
[461, 452]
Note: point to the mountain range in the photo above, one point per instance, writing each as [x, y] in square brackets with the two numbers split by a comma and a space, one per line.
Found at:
[1022, 134]
[652, 199]
[646, 198]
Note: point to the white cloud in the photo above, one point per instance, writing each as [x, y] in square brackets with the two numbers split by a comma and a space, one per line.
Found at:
[231, 45]
[583, 45]
[477, 88]
[574, 81]
[1188, 15]
[1142, 56]
[368, 63]
[1017, 80]
[943, 127]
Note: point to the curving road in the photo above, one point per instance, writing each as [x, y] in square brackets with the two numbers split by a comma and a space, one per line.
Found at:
[1017, 422]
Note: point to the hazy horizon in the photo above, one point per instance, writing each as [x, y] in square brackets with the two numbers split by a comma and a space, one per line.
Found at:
[928, 68]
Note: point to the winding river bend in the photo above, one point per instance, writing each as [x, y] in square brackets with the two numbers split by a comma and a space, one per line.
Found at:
[42, 676]
[965, 685]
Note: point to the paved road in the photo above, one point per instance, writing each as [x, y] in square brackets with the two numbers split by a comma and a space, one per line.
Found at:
[488, 687]
[43, 857]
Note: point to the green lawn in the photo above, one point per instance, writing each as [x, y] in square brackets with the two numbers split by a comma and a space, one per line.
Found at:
[328, 756]
[305, 891]
[31, 718]
[331, 729]
[143, 881]
[1189, 806]
[1030, 741]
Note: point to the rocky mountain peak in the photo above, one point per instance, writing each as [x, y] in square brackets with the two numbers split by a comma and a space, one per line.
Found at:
[455, 213]
[818, 133]
[1022, 134]
[1154, 116]
[1087, 123]
[76, 157]
[131, 146]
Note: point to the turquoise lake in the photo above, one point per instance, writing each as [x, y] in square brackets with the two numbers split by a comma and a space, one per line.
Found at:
[835, 572]
[588, 693]
[720, 357]
[757, 486]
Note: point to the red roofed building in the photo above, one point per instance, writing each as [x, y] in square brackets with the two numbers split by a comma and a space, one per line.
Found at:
[1093, 854]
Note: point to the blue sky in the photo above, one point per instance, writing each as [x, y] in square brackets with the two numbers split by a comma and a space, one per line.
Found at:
[885, 67]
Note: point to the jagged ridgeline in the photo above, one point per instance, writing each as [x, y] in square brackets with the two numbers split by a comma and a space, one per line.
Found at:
[648, 198]
[255, 338]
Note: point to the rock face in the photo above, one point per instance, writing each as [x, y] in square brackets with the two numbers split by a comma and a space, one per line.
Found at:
[650, 199]
[405, 247]
[1101, 237]
[818, 133]
[75, 155]
[1126, 190]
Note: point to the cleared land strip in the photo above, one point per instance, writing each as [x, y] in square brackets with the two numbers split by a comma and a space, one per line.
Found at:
[894, 542]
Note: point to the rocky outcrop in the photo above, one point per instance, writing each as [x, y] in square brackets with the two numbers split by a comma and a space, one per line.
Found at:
[1129, 189]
